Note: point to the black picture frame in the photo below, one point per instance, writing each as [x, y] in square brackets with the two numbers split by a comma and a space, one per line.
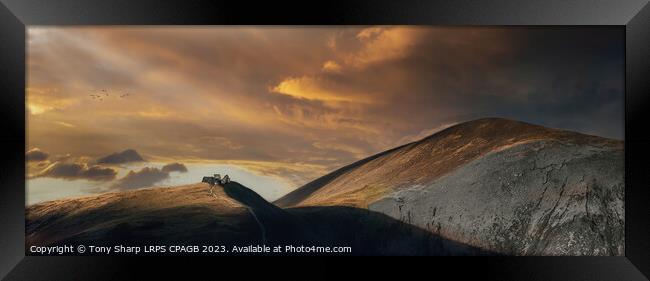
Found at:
[633, 16]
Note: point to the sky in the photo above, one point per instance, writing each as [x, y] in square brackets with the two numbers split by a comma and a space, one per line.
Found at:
[285, 105]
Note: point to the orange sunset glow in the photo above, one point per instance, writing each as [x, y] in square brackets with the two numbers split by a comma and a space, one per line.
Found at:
[289, 104]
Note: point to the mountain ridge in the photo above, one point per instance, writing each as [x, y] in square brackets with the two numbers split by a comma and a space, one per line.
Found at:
[449, 148]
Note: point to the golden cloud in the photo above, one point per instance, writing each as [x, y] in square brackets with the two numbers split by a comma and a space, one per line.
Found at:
[309, 88]
[40, 100]
[332, 66]
[221, 141]
[334, 145]
[384, 43]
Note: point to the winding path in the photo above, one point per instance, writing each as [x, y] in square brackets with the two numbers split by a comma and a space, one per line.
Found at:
[259, 224]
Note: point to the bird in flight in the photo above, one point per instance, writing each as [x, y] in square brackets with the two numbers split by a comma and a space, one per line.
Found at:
[99, 95]
[103, 93]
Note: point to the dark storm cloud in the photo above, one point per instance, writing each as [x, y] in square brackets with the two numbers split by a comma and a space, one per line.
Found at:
[36, 154]
[126, 156]
[73, 171]
[174, 167]
[564, 78]
[145, 177]
[148, 176]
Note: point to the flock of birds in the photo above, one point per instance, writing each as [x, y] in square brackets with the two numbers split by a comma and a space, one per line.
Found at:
[99, 96]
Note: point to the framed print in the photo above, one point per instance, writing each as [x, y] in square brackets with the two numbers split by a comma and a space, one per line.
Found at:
[169, 134]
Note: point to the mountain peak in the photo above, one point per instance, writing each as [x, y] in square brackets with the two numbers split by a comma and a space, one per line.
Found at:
[425, 160]
[502, 131]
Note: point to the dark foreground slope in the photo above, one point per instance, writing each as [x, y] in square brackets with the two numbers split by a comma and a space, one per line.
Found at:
[237, 216]
[503, 185]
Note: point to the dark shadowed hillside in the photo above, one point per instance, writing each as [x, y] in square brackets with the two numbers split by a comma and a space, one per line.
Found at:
[188, 215]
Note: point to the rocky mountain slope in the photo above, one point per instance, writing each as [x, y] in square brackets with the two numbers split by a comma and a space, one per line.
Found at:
[501, 185]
